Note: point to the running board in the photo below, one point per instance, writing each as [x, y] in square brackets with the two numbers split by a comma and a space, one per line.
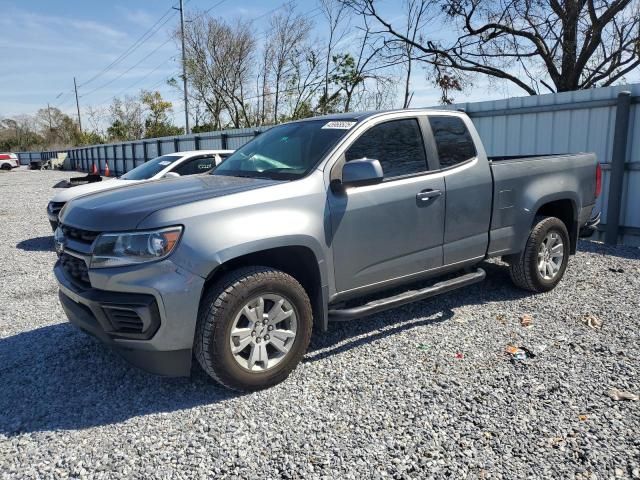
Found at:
[343, 315]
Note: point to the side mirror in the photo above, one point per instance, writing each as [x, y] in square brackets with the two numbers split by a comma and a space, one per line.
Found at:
[171, 175]
[365, 171]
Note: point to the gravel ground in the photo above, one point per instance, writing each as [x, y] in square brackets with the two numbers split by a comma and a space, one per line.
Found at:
[422, 391]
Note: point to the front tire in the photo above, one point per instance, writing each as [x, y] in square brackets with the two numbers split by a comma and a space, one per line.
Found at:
[254, 326]
[541, 266]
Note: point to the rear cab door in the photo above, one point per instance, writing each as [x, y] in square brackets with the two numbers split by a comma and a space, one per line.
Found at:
[469, 187]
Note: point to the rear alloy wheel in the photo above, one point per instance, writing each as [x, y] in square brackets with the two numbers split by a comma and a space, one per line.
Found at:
[253, 328]
[550, 255]
[544, 260]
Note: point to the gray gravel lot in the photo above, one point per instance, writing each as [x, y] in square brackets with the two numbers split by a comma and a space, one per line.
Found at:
[422, 391]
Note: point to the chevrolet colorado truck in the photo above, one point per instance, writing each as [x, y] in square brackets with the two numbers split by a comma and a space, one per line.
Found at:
[315, 220]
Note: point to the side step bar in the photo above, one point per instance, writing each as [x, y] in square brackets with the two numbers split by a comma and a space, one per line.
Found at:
[343, 315]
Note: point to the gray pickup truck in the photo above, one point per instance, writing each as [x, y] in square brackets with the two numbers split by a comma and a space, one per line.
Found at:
[312, 221]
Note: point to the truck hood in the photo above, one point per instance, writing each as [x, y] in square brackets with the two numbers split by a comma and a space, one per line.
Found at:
[125, 208]
[79, 190]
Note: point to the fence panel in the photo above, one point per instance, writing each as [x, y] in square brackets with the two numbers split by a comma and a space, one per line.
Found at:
[569, 122]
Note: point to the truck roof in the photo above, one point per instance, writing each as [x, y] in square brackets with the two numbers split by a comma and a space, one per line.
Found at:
[359, 116]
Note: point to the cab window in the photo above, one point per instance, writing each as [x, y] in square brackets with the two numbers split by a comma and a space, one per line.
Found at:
[397, 145]
[453, 140]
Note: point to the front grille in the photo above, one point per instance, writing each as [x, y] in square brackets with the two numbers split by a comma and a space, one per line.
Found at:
[85, 236]
[124, 320]
[76, 268]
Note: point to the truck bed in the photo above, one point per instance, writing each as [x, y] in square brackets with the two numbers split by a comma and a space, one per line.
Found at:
[522, 183]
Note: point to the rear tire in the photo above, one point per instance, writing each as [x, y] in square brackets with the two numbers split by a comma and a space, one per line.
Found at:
[254, 326]
[6, 166]
[541, 266]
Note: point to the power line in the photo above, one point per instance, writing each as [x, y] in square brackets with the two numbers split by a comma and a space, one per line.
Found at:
[214, 6]
[164, 62]
[141, 40]
[128, 70]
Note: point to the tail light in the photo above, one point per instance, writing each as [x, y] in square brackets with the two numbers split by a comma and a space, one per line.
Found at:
[598, 180]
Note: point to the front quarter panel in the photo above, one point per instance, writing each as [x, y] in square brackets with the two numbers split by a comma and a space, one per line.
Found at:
[223, 228]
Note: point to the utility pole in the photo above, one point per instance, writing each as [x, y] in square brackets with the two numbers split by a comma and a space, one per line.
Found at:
[75, 87]
[184, 72]
[49, 115]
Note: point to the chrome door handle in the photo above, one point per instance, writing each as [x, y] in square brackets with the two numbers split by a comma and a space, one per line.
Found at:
[428, 195]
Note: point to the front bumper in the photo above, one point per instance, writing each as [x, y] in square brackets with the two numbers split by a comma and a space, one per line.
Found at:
[165, 299]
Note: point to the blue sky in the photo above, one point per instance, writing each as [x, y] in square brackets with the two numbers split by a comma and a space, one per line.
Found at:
[45, 43]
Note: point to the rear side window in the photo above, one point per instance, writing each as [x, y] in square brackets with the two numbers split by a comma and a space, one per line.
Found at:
[195, 166]
[396, 144]
[453, 140]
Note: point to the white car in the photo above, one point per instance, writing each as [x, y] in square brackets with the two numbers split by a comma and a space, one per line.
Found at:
[9, 161]
[170, 165]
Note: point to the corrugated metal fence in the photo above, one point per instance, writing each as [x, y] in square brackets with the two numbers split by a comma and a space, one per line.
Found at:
[604, 120]
[125, 156]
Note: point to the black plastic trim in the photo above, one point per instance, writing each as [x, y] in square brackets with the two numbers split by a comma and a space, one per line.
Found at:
[376, 306]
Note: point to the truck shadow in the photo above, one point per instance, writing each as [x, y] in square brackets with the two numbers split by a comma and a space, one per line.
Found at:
[631, 253]
[497, 287]
[56, 377]
[36, 244]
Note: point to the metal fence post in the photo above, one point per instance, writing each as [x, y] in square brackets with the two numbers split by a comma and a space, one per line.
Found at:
[196, 141]
[224, 141]
[158, 148]
[616, 176]
[133, 153]
[176, 144]
[144, 151]
[115, 160]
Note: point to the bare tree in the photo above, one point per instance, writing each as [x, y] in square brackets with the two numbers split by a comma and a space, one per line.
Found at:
[336, 13]
[126, 116]
[289, 32]
[219, 66]
[353, 73]
[560, 45]
[400, 52]
[305, 82]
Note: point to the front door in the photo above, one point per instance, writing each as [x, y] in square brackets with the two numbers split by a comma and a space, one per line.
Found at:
[393, 229]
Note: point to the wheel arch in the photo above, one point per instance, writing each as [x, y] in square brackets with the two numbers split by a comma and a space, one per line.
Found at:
[299, 261]
[566, 210]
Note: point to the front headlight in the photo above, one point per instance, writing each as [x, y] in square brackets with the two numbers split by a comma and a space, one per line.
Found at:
[130, 248]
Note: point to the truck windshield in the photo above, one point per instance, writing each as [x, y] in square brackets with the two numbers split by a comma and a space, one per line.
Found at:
[150, 168]
[285, 152]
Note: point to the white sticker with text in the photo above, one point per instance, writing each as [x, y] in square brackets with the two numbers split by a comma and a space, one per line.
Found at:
[339, 125]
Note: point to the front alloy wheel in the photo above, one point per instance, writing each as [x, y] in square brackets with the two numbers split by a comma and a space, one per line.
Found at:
[253, 328]
[263, 332]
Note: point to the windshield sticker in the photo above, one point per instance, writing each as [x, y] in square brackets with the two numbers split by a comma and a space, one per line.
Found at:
[339, 125]
[164, 162]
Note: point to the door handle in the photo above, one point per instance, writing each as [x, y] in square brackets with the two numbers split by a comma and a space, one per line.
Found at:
[428, 195]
